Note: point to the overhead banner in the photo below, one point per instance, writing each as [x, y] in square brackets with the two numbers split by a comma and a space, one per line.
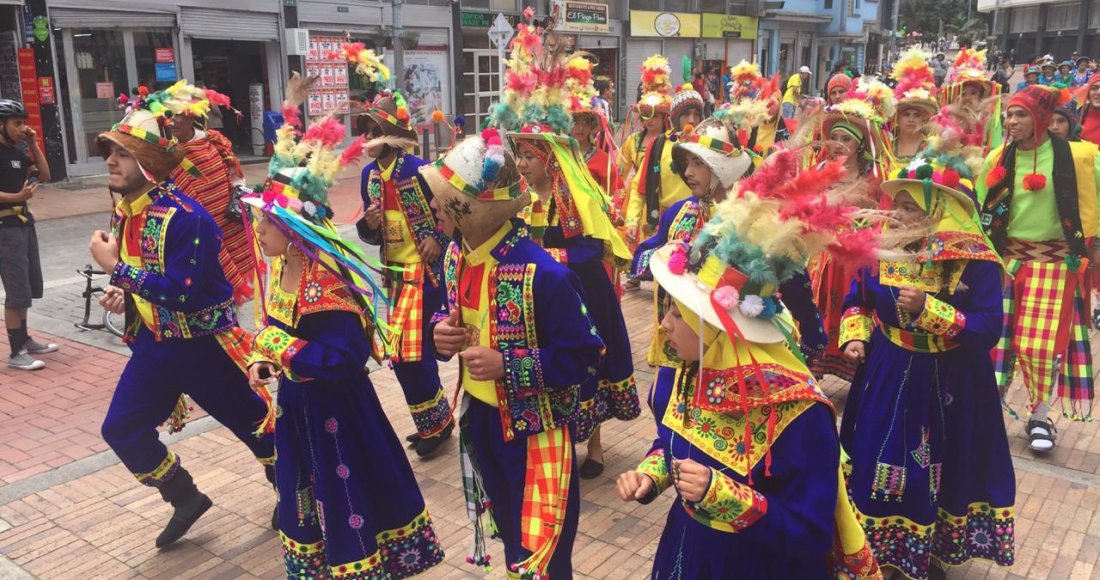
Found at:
[665, 24]
[723, 26]
[570, 16]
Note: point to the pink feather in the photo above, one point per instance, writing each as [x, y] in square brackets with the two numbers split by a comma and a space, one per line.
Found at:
[291, 114]
[354, 151]
[856, 247]
[216, 98]
[329, 132]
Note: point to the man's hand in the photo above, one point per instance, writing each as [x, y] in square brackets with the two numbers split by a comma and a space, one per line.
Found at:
[911, 300]
[373, 214]
[690, 478]
[260, 373]
[855, 351]
[113, 300]
[30, 134]
[449, 335]
[633, 486]
[484, 364]
[632, 234]
[26, 193]
[429, 250]
[104, 249]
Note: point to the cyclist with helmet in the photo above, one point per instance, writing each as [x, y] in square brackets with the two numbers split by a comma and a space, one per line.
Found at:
[22, 167]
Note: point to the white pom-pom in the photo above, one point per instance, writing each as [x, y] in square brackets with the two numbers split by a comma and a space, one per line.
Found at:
[309, 208]
[752, 305]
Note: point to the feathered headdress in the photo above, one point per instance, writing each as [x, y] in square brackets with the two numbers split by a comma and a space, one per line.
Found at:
[745, 80]
[969, 69]
[916, 83]
[535, 92]
[367, 63]
[866, 107]
[579, 81]
[656, 75]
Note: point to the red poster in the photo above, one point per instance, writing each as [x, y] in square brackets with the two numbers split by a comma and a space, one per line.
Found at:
[28, 82]
[165, 54]
[45, 91]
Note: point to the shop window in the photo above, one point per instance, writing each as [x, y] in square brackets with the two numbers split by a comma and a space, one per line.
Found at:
[100, 62]
[146, 43]
[828, 4]
[718, 6]
[645, 4]
[1063, 16]
[1025, 19]
[1094, 15]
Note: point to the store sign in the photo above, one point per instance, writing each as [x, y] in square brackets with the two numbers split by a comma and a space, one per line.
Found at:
[46, 94]
[166, 72]
[723, 26]
[665, 24]
[329, 93]
[164, 55]
[570, 16]
[105, 90]
[483, 20]
[28, 82]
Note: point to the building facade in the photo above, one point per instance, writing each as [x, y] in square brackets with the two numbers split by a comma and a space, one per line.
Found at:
[1032, 28]
[820, 34]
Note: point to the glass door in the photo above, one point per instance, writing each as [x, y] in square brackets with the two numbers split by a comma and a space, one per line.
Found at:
[482, 71]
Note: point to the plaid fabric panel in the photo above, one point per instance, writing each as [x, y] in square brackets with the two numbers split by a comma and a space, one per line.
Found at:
[1076, 381]
[407, 317]
[545, 495]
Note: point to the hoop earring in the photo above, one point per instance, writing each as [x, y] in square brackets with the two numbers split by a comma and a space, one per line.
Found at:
[289, 247]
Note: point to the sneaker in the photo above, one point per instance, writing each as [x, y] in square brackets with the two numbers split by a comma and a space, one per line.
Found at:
[32, 346]
[24, 361]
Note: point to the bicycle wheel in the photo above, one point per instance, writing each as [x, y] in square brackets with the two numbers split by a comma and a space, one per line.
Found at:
[111, 324]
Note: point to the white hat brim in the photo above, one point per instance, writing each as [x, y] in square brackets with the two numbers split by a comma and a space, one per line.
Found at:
[689, 291]
[728, 168]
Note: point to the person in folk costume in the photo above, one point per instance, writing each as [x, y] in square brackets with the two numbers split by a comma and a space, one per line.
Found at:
[591, 127]
[854, 132]
[349, 502]
[181, 320]
[749, 85]
[655, 186]
[397, 216]
[1043, 227]
[209, 175]
[968, 82]
[569, 218]
[1066, 123]
[837, 88]
[931, 474]
[526, 344]
[654, 104]
[916, 96]
[1087, 99]
[744, 432]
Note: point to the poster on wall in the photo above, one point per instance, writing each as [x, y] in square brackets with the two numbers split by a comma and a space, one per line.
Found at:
[427, 83]
[330, 91]
[28, 82]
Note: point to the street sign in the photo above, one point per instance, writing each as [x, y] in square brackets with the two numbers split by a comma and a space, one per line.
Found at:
[501, 33]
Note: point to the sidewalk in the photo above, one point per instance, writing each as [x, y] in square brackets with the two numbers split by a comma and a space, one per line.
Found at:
[88, 518]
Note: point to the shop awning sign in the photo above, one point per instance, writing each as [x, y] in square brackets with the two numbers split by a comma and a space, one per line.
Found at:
[665, 24]
[725, 26]
[570, 16]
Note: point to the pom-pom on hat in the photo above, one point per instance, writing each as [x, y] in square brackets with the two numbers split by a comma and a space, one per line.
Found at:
[390, 112]
[477, 183]
[144, 133]
[686, 98]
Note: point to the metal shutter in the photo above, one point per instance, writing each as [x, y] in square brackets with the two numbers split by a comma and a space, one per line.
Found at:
[324, 15]
[84, 18]
[636, 52]
[432, 36]
[229, 24]
[675, 50]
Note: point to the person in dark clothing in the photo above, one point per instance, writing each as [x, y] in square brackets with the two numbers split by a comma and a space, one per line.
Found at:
[22, 168]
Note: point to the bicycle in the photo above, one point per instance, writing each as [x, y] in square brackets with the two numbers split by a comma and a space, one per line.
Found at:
[89, 273]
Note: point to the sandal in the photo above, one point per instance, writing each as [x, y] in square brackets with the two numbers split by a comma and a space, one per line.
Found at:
[1040, 435]
[591, 469]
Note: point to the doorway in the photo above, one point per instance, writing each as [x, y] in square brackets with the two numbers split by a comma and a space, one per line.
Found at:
[229, 67]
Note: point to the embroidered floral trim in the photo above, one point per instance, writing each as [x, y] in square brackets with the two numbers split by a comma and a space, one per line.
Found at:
[984, 532]
[941, 318]
[128, 278]
[655, 467]
[855, 324]
[162, 473]
[727, 505]
[430, 417]
[523, 372]
[275, 344]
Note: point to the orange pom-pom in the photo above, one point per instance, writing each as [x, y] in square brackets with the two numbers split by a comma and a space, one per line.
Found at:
[688, 128]
[1035, 182]
[995, 176]
[437, 117]
[402, 114]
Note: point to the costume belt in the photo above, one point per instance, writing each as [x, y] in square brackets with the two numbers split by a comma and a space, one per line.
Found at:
[915, 341]
[1053, 251]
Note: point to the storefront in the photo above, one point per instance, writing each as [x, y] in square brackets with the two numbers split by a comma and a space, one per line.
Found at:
[479, 86]
[106, 51]
[713, 42]
[11, 15]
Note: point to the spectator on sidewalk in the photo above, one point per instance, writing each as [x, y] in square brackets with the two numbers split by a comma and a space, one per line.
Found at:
[20, 267]
[939, 68]
[792, 96]
[1003, 76]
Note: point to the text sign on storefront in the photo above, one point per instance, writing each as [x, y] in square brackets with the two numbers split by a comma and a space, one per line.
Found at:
[46, 94]
[164, 55]
[483, 20]
[570, 16]
[723, 26]
[664, 24]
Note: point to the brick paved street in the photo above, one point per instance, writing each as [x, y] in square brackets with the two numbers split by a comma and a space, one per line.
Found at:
[68, 509]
